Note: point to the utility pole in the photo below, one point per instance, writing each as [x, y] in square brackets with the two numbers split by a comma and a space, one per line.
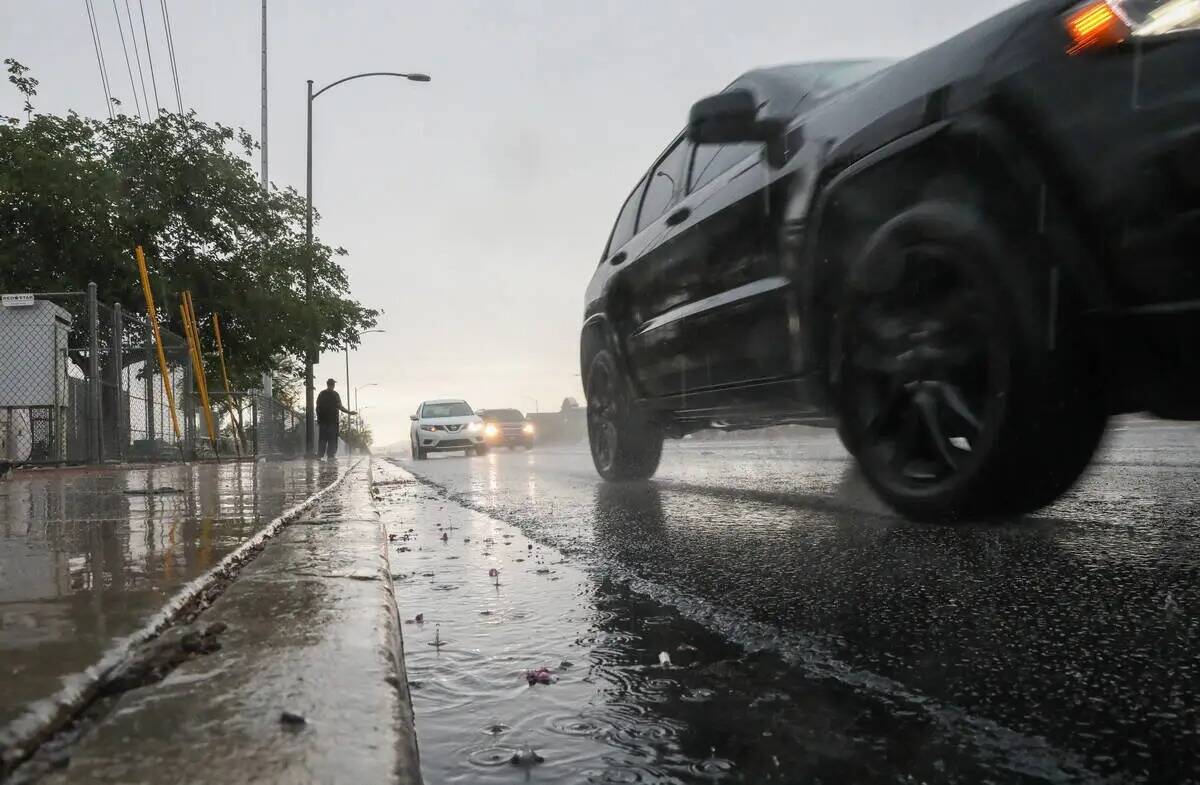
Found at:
[266, 377]
[265, 186]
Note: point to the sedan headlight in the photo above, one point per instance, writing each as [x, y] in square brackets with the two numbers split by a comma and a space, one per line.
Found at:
[1101, 23]
[527, 429]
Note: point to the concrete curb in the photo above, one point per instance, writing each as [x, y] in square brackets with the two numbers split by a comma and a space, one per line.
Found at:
[408, 766]
[42, 719]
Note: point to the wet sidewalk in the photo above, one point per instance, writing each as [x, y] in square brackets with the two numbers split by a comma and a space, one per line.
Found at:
[305, 682]
[88, 555]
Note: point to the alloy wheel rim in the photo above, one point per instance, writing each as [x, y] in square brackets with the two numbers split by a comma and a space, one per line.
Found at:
[602, 419]
[925, 369]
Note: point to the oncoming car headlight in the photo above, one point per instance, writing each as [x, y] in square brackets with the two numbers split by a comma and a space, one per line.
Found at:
[527, 429]
[475, 427]
[1101, 23]
[490, 430]
[428, 427]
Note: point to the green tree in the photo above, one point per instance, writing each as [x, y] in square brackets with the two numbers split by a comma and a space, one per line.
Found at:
[357, 435]
[77, 194]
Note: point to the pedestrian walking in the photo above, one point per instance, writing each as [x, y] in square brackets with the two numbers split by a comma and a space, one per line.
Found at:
[329, 407]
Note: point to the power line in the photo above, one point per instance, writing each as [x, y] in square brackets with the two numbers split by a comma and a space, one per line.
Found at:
[91, 12]
[171, 52]
[150, 58]
[138, 57]
[128, 66]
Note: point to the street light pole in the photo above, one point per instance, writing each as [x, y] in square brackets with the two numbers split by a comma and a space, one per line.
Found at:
[361, 387]
[309, 351]
[347, 351]
[311, 348]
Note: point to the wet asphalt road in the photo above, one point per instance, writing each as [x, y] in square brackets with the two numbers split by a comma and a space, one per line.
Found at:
[1062, 646]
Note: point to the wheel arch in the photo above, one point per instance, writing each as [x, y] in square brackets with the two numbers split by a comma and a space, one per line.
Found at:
[597, 334]
[970, 159]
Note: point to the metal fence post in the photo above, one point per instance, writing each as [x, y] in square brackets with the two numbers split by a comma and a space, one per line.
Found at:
[95, 449]
[59, 418]
[120, 428]
[189, 414]
[148, 376]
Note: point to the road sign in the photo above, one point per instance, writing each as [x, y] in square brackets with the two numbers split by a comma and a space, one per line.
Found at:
[17, 300]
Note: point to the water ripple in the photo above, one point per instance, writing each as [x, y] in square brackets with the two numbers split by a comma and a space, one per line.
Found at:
[490, 757]
[577, 726]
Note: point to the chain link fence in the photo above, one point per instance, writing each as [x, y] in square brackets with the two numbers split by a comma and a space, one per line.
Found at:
[80, 382]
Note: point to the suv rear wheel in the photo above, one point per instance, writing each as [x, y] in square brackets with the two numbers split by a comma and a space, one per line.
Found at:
[951, 395]
[625, 443]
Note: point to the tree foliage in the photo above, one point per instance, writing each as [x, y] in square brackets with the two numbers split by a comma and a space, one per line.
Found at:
[357, 435]
[77, 194]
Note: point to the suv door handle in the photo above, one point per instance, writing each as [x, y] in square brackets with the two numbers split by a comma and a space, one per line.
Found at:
[618, 258]
[679, 216]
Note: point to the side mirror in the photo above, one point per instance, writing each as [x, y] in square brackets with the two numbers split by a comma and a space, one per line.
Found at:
[732, 117]
[724, 118]
[412, 417]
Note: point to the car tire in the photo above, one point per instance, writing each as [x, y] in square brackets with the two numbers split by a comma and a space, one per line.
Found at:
[417, 453]
[962, 390]
[625, 443]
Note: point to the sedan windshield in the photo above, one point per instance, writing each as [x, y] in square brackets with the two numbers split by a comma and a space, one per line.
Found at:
[455, 409]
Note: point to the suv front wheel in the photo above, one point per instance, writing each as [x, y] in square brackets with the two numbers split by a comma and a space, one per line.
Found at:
[963, 391]
[625, 443]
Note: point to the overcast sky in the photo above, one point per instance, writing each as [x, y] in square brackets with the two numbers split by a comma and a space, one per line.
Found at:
[474, 207]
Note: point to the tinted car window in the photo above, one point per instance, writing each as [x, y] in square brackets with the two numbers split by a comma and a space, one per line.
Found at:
[711, 160]
[623, 229]
[664, 181]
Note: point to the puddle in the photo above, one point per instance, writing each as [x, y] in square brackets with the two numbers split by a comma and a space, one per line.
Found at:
[616, 710]
[86, 556]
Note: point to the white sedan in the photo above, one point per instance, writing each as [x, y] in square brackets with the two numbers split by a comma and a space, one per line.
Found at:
[445, 426]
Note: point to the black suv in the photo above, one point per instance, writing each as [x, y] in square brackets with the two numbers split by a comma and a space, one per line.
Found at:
[967, 259]
[506, 427]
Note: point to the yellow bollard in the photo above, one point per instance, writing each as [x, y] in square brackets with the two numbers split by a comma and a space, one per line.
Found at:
[197, 365]
[162, 358]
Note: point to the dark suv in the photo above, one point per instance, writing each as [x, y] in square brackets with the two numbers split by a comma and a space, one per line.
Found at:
[967, 259]
[506, 427]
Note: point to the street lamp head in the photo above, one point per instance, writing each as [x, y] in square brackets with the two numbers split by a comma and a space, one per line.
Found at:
[418, 77]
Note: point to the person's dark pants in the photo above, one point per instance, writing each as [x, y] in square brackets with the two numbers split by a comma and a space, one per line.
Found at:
[327, 439]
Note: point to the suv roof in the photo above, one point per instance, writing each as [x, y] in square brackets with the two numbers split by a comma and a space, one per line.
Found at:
[784, 86]
[444, 400]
